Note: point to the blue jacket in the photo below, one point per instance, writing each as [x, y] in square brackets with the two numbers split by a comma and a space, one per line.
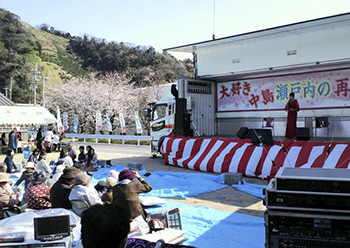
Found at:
[13, 141]
[10, 164]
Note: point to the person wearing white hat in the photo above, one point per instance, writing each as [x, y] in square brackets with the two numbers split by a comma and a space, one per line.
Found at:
[27, 175]
[7, 199]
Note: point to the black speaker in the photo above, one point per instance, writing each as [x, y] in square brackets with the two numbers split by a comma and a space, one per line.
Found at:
[243, 133]
[182, 119]
[303, 133]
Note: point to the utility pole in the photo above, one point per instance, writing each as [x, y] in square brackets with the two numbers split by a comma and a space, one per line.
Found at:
[34, 84]
[6, 91]
[11, 83]
[44, 78]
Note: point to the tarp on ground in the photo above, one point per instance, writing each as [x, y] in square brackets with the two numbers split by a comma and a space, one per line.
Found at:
[207, 228]
[171, 184]
[25, 116]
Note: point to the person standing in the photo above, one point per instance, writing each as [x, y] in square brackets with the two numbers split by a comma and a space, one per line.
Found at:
[39, 139]
[13, 140]
[292, 107]
[48, 140]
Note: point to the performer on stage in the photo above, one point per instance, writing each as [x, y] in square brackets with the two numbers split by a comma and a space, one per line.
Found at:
[292, 107]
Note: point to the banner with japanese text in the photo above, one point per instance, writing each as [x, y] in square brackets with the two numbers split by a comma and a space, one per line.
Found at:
[122, 122]
[76, 123]
[138, 122]
[98, 120]
[313, 90]
[65, 121]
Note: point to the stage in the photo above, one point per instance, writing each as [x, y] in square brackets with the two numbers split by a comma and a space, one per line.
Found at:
[221, 155]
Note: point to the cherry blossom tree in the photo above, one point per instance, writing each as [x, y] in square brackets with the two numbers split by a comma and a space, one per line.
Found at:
[109, 94]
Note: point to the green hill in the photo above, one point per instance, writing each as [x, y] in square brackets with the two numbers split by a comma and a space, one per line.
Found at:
[61, 57]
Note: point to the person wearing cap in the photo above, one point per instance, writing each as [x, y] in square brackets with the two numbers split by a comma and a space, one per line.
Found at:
[61, 189]
[27, 175]
[101, 187]
[38, 192]
[82, 192]
[107, 197]
[7, 198]
[126, 192]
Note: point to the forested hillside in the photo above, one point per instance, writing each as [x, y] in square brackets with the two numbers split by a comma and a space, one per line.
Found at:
[61, 57]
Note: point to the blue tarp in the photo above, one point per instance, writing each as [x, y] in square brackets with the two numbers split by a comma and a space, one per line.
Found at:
[207, 228]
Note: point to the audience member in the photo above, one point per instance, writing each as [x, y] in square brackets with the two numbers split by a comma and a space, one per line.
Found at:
[39, 139]
[13, 140]
[38, 192]
[11, 166]
[104, 226]
[113, 173]
[82, 192]
[64, 157]
[59, 171]
[81, 156]
[60, 191]
[48, 139]
[126, 192]
[33, 157]
[56, 146]
[91, 160]
[101, 187]
[71, 152]
[44, 168]
[3, 167]
[3, 139]
[27, 175]
[107, 197]
[7, 199]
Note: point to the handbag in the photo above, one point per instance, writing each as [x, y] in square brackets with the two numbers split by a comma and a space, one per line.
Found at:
[6, 212]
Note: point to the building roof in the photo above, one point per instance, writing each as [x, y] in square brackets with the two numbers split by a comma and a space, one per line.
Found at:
[4, 101]
[314, 24]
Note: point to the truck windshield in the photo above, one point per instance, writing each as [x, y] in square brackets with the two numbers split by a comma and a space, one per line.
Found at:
[158, 112]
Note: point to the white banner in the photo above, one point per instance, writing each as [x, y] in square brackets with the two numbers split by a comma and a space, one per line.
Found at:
[65, 121]
[138, 123]
[59, 121]
[316, 90]
[76, 123]
[98, 120]
[122, 122]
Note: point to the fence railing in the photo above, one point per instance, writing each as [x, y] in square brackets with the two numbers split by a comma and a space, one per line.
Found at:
[109, 137]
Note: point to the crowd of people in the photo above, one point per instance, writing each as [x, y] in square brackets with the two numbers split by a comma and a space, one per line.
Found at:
[65, 183]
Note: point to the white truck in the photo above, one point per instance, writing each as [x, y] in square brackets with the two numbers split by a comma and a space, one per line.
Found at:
[241, 80]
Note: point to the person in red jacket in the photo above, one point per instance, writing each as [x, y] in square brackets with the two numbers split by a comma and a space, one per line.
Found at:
[292, 107]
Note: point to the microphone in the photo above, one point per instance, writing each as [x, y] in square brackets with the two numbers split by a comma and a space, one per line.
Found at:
[160, 244]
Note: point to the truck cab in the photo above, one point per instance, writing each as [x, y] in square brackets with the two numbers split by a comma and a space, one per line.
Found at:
[161, 116]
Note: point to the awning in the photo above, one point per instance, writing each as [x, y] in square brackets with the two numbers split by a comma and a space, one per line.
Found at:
[25, 116]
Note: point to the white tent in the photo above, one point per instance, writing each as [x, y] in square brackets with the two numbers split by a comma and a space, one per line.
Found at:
[25, 116]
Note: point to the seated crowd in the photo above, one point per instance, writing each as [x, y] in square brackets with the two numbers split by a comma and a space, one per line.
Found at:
[65, 184]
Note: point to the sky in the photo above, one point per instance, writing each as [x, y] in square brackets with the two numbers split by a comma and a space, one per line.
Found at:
[164, 23]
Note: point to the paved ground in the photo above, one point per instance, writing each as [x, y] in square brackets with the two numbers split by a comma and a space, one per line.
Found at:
[226, 199]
